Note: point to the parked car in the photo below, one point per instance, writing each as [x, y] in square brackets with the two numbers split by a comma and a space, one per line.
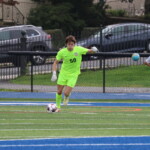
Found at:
[37, 40]
[124, 37]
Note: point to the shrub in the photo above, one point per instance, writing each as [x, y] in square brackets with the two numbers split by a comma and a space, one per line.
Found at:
[117, 13]
[147, 16]
[89, 31]
[57, 38]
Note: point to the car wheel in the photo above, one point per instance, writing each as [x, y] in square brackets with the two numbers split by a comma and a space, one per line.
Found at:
[38, 59]
[148, 46]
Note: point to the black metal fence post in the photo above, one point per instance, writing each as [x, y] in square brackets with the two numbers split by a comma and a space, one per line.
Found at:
[23, 59]
[31, 57]
[101, 47]
[104, 75]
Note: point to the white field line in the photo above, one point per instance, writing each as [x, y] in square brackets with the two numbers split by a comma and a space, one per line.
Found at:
[62, 137]
[144, 95]
[75, 123]
[74, 103]
[89, 118]
[3, 130]
[49, 119]
[60, 145]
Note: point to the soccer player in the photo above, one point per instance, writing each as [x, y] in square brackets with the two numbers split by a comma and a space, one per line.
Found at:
[71, 56]
[147, 61]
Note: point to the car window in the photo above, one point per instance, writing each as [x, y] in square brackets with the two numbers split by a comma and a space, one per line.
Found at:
[133, 28]
[4, 35]
[117, 30]
[111, 30]
[15, 34]
[106, 30]
[140, 27]
[31, 32]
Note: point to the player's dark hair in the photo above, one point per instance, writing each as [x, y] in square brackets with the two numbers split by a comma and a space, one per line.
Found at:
[70, 38]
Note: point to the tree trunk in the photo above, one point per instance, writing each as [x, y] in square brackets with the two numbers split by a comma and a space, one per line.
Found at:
[147, 6]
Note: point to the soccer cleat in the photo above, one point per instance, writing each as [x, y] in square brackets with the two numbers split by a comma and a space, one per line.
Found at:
[66, 100]
[57, 110]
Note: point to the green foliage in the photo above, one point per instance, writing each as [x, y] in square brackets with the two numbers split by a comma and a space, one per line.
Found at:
[57, 38]
[55, 17]
[117, 13]
[147, 6]
[67, 15]
[147, 16]
[89, 31]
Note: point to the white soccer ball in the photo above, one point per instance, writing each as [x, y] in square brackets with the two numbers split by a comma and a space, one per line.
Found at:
[51, 108]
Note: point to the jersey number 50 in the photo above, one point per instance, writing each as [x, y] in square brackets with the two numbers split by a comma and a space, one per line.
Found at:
[73, 60]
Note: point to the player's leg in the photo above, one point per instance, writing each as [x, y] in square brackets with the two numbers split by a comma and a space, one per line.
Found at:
[59, 95]
[67, 94]
[61, 82]
[70, 84]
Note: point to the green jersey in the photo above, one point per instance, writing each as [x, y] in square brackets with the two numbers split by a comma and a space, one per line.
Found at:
[71, 60]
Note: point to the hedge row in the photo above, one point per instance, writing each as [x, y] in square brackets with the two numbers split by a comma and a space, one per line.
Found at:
[57, 38]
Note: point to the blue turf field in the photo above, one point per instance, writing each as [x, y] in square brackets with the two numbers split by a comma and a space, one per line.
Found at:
[86, 143]
[78, 104]
[75, 95]
[81, 143]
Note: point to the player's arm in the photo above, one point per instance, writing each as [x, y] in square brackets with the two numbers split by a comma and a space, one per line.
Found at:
[84, 51]
[54, 69]
[147, 61]
[93, 50]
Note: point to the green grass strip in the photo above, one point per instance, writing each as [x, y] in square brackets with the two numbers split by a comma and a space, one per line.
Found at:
[132, 76]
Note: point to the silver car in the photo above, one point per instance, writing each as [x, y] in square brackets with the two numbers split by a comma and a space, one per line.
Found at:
[123, 37]
[36, 40]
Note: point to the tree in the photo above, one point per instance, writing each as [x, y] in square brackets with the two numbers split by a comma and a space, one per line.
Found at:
[69, 15]
[52, 17]
[147, 7]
